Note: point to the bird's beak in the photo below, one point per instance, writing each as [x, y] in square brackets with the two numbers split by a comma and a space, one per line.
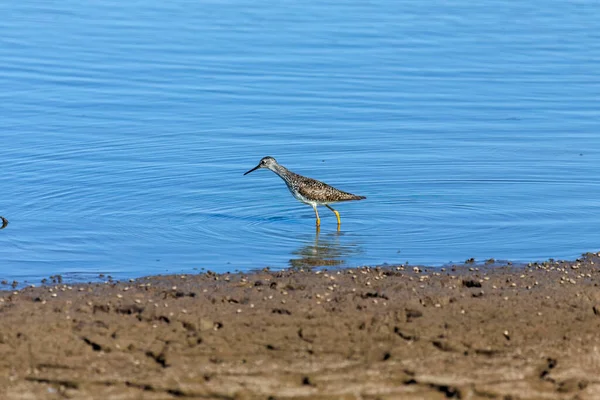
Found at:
[253, 169]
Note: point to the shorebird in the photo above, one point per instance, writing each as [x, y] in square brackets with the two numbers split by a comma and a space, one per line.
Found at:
[308, 190]
[4, 222]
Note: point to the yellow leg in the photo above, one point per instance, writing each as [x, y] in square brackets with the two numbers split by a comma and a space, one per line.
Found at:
[317, 214]
[337, 214]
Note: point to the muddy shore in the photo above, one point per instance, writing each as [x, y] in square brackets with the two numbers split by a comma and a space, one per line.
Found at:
[399, 332]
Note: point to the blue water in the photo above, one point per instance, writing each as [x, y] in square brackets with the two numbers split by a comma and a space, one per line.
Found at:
[472, 128]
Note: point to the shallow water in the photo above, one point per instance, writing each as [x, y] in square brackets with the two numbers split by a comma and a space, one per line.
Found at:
[473, 131]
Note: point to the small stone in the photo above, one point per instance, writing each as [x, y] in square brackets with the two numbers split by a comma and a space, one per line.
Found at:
[206, 324]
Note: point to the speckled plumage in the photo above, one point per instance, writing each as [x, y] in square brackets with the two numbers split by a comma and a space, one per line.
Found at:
[314, 190]
[307, 190]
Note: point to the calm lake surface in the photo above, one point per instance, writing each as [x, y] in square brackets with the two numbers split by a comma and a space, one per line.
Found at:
[472, 128]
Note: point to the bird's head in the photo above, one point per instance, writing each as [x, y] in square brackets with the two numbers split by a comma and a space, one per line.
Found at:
[265, 162]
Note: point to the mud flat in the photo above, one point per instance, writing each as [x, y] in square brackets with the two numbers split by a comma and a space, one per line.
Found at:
[398, 332]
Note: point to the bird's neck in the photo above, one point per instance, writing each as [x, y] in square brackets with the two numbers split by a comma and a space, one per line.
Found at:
[280, 170]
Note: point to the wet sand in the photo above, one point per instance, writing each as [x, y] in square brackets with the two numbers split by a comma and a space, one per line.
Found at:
[400, 332]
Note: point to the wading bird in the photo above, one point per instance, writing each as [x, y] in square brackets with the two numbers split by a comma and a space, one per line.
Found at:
[308, 190]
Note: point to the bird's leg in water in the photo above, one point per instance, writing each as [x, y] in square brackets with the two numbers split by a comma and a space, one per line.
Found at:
[337, 214]
[317, 214]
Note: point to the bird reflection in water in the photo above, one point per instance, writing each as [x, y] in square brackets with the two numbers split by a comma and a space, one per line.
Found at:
[324, 251]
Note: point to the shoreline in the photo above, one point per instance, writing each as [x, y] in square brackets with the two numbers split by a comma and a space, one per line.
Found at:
[523, 331]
